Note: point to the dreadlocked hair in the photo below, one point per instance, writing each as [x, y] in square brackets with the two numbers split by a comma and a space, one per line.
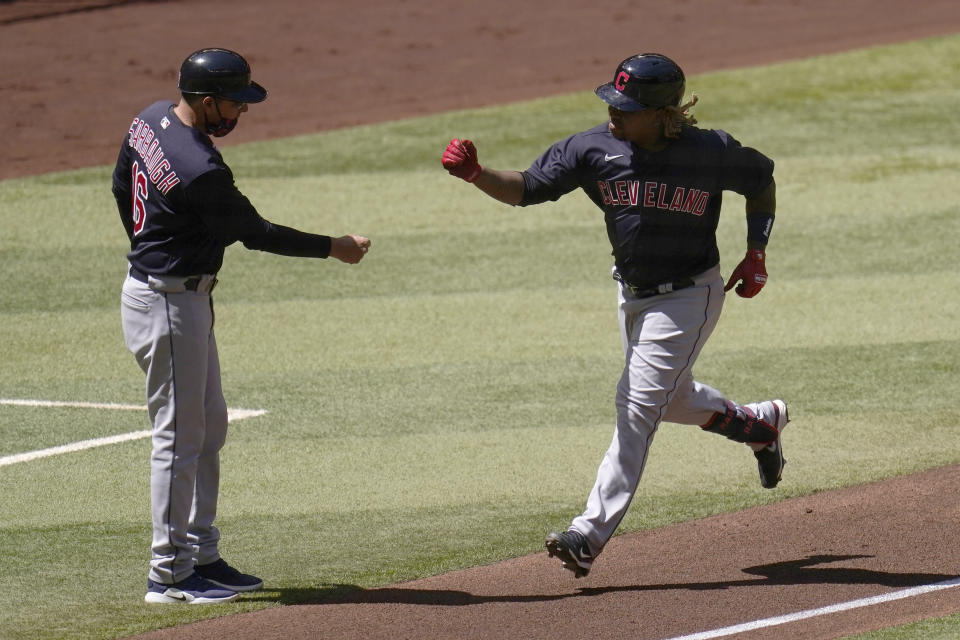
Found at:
[678, 117]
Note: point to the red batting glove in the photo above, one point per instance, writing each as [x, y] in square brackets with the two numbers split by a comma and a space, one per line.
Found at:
[751, 272]
[460, 159]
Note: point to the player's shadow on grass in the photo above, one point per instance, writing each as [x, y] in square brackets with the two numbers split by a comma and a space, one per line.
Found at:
[793, 572]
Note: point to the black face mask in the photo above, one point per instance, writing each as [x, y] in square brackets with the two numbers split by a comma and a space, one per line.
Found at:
[223, 127]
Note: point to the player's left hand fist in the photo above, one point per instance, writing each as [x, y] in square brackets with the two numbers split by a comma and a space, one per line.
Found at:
[751, 273]
[349, 248]
[460, 159]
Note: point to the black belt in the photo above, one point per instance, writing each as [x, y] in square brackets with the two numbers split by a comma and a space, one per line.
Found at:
[190, 284]
[666, 287]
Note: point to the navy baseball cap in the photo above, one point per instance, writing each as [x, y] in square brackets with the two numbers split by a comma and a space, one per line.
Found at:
[644, 81]
[221, 73]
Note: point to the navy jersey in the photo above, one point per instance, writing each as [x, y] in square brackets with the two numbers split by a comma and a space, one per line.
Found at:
[180, 206]
[661, 208]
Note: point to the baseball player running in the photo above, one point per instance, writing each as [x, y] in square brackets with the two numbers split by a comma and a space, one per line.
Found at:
[658, 180]
[181, 209]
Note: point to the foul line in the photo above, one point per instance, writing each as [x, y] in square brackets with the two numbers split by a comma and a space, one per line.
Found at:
[811, 613]
[232, 416]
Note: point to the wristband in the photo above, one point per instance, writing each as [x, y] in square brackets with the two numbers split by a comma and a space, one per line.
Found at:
[759, 226]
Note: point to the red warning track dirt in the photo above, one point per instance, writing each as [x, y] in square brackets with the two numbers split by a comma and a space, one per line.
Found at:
[76, 72]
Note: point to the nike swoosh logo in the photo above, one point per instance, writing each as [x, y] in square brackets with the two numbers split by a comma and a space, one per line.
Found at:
[609, 157]
[175, 593]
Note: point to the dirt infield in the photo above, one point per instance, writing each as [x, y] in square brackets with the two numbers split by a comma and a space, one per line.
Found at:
[796, 555]
[76, 72]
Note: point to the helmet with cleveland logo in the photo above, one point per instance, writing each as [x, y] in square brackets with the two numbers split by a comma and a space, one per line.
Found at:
[221, 73]
[644, 81]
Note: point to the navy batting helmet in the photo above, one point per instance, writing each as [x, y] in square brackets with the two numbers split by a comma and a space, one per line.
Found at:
[646, 80]
[221, 73]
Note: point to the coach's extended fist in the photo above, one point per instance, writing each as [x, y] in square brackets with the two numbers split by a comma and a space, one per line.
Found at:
[460, 159]
[349, 248]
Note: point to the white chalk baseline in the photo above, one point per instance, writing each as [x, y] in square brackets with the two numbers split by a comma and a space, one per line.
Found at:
[232, 415]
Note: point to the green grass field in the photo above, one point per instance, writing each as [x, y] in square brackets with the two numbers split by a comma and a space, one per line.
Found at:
[446, 402]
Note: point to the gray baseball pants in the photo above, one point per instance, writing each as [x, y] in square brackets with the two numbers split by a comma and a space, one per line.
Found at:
[170, 332]
[662, 336]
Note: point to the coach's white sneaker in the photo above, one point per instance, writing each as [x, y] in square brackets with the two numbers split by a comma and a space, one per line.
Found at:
[192, 590]
[770, 460]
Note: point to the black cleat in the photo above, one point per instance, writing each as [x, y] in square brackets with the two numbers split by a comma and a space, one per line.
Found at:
[572, 549]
